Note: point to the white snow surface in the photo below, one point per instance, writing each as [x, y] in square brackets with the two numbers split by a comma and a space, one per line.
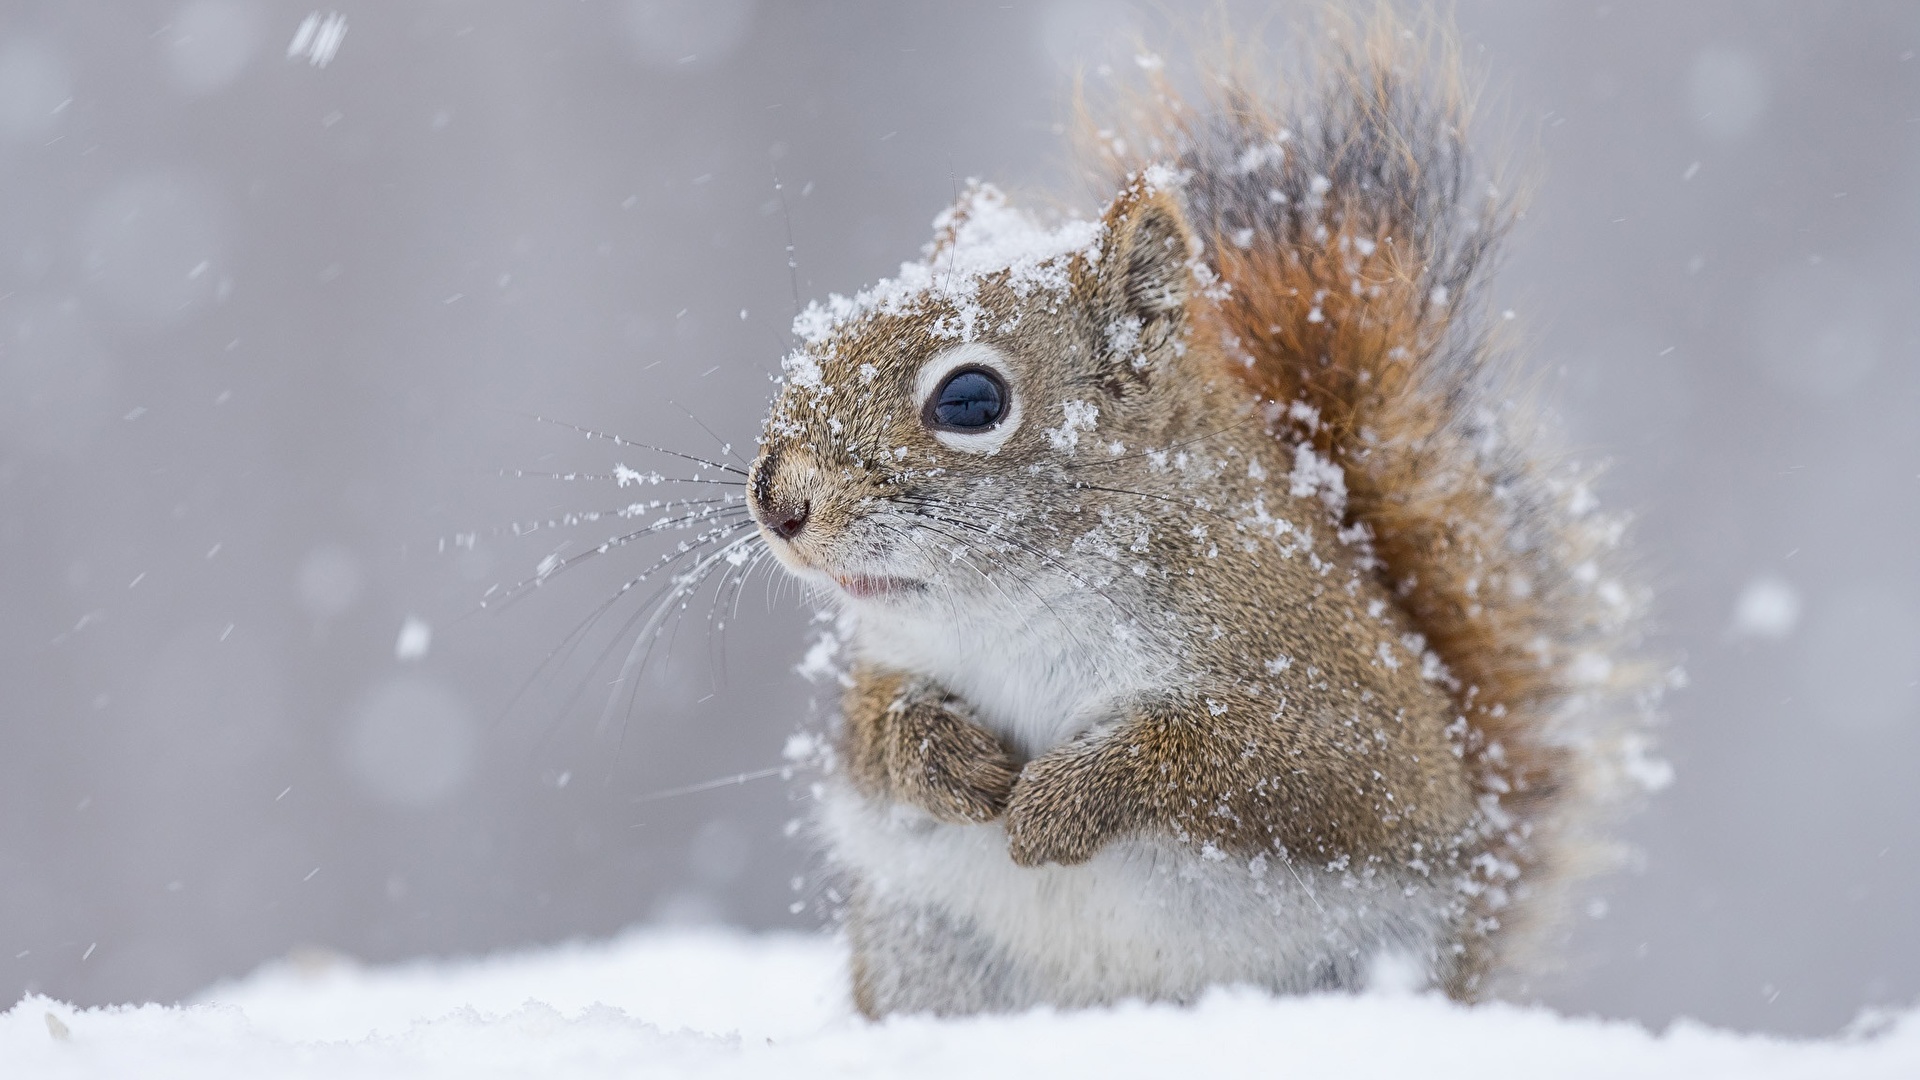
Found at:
[718, 1003]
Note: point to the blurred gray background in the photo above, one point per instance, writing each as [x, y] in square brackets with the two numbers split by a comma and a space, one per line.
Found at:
[272, 326]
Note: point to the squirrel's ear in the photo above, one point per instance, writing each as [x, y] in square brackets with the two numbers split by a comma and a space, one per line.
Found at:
[1143, 278]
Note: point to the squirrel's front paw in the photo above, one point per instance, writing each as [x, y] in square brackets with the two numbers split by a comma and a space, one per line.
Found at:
[1059, 811]
[952, 768]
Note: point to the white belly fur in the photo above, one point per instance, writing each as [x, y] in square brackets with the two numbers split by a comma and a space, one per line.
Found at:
[1145, 917]
[1037, 682]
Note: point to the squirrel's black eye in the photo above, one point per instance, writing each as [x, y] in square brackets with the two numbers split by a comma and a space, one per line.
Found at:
[971, 399]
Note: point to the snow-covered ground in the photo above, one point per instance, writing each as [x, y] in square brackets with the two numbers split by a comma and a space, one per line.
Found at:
[717, 1003]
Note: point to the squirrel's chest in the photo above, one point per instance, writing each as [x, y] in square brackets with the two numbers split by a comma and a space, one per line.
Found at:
[1035, 685]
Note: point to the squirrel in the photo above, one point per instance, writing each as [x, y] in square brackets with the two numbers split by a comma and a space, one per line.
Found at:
[1216, 611]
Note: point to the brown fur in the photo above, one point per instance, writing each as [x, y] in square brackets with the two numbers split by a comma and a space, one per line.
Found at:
[1226, 779]
[906, 739]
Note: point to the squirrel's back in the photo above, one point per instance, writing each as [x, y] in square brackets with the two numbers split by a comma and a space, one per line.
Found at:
[1353, 236]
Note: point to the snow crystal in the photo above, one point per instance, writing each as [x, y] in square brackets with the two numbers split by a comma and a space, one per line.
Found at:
[625, 475]
[1384, 651]
[803, 370]
[1641, 767]
[804, 748]
[1590, 669]
[983, 236]
[1314, 475]
[1259, 155]
[1160, 176]
[1123, 338]
[822, 661]
[1077, 416]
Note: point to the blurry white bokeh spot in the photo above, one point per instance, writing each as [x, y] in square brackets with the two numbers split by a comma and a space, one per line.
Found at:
[209, 44]
[675, 33]
[56, 384]
[34, 89]
[1726, 92]
[416, 637]
[1083, 34]
[154, 247]
[1626, 387]
[328, 581]
[719, 852]
[1818, 327]
[210, 706]
[1860, 661]
[410, 742]
[1767, 608]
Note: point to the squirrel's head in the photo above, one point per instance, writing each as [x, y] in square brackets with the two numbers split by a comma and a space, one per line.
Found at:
[926, 430]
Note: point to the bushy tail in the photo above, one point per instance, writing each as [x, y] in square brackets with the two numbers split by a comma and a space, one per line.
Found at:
[1353, 235]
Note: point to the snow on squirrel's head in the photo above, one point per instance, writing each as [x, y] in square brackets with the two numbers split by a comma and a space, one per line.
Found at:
[937, 402]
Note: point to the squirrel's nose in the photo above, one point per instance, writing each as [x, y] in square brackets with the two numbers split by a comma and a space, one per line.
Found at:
[787, 521]
[781, 513]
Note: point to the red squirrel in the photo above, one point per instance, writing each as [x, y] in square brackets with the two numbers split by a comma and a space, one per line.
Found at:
[1217, 615]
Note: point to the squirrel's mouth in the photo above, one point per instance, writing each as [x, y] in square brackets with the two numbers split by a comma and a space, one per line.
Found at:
[865, 587]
